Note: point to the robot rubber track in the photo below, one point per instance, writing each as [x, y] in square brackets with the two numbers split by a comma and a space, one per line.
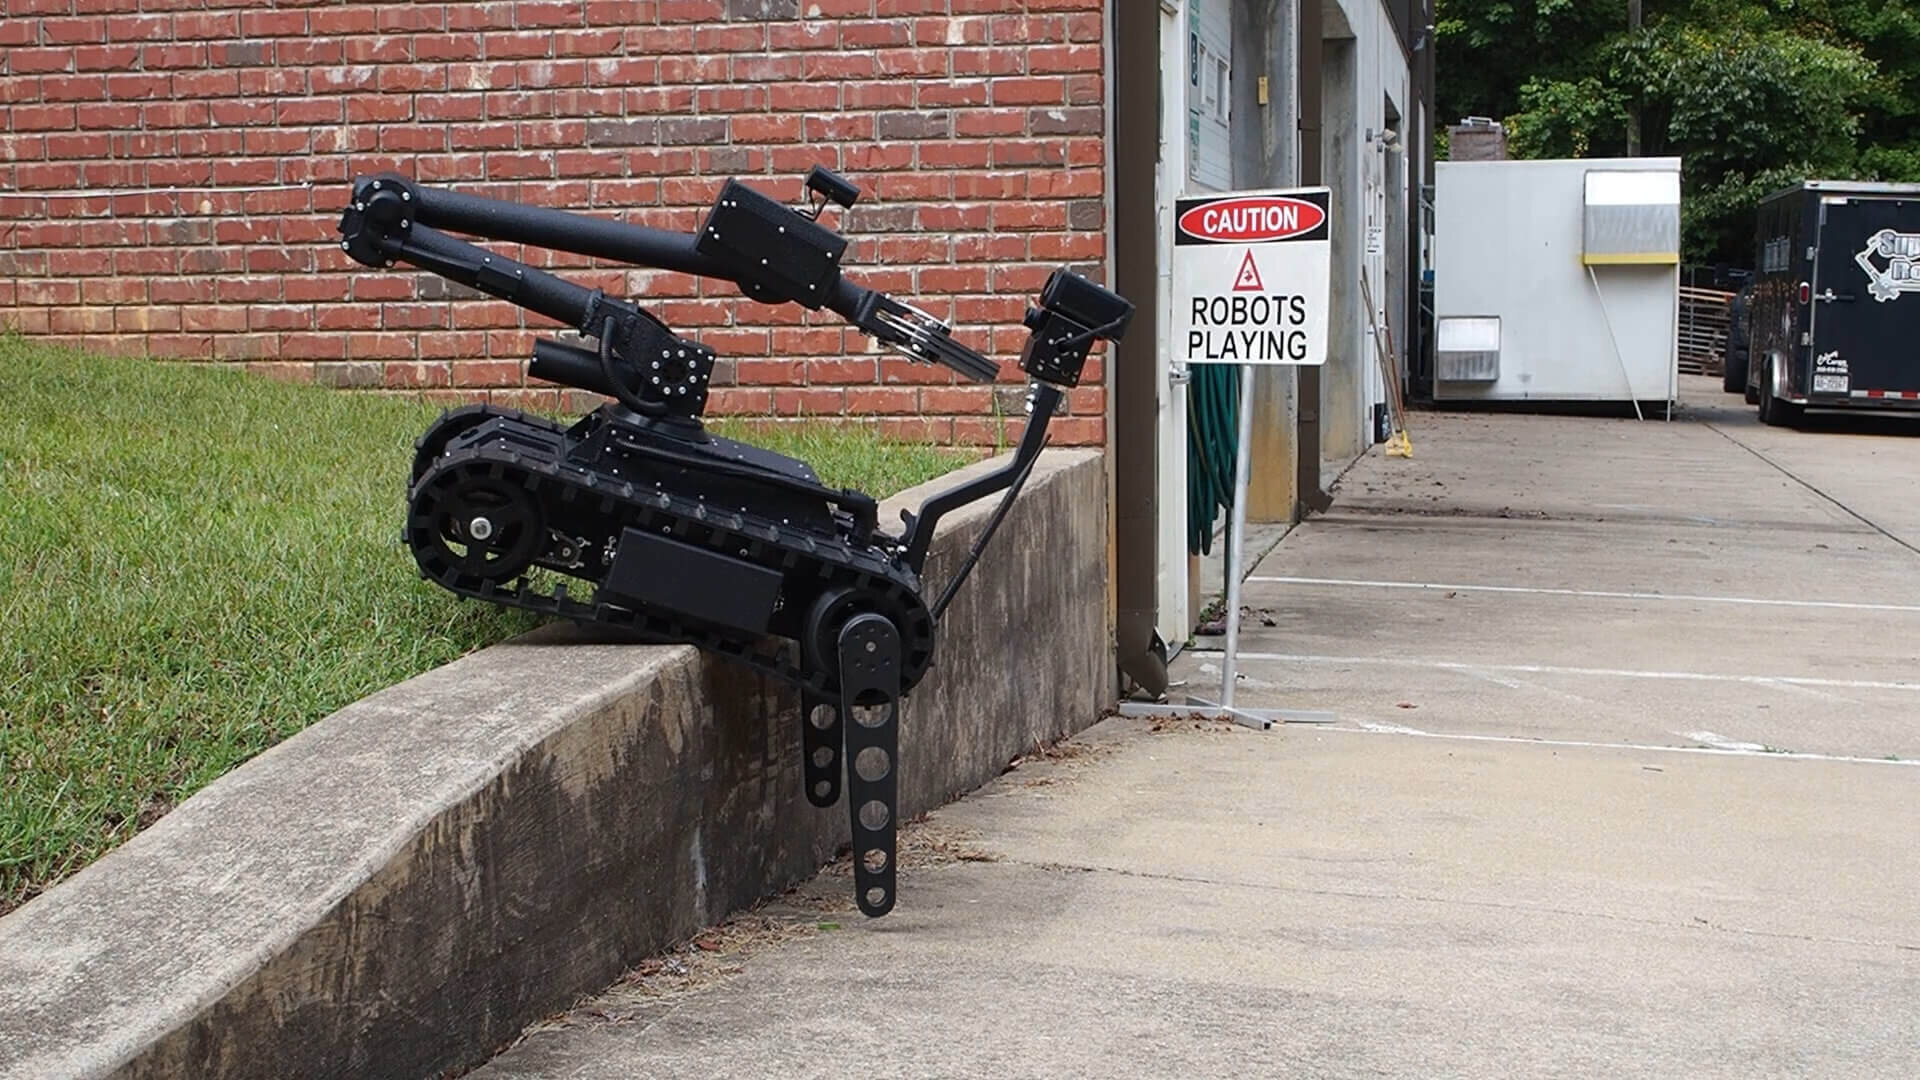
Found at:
[813, 565]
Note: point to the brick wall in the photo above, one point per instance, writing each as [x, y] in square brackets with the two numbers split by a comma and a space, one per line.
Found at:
[230, 129]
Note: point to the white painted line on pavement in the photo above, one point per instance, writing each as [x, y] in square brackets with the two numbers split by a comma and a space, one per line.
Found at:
[1719, 742]
[1522, 684]
[1384, 729]
[1811, 692]
[1366, 728]
[1690, 598]
[1511, 684]
[1553, 669]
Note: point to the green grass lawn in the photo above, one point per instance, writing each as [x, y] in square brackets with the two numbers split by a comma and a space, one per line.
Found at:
[196, 563]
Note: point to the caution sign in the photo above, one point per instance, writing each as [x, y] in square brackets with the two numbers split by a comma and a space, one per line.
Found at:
[1252, 271]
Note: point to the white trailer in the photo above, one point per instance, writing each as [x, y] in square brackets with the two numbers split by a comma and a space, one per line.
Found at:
[1557, 280]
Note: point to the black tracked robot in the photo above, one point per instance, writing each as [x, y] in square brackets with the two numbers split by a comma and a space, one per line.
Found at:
[682, 535]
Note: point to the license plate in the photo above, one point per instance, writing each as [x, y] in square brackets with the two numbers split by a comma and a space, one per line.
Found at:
[1829, 384]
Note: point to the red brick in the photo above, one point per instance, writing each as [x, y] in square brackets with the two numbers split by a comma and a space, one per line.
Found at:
[417, 375]
[154, 266]
[891, 94]
[118, 28]
[253, 347]
[1014, 29]
[209, 319]
[927, 429]
[84, 144]
[205, 25]
[487, 373]
[769, 372]
[455, 345]
[43, 117]
[881, 401]
[844, 372]
[113, 344]
[35, 61]
[79, 320]
[731, 401]
[97, 58]
[740, 342]
[938, 32]
[34, 321]
[989, 122]
[284, 23]
[180, 346]
[485, 136]
[517, 344]
[811, 401]
[971, 431]
[907, 372]
[530, 400]
[113, 291]
[1085, 89]
[1046, 91]
[874, 34]
[364, 347]
[692, 10]
[368, 287]
[731, 98]
[808, 34]
[146, 320]
[956, 155]
[1063, 58]
[956, 399]
[281, 372]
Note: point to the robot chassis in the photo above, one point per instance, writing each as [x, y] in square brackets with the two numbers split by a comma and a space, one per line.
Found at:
[682, 535]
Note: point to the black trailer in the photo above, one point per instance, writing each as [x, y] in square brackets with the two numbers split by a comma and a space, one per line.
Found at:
[1834, 319]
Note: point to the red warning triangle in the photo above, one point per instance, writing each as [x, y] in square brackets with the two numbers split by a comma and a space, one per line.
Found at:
[1248, 279]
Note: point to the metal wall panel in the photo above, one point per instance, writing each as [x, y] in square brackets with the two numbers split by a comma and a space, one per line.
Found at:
[1467, 348]
[1209, 95]
[1631, 216]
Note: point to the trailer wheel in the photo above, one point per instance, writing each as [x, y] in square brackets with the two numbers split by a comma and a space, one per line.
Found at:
[1736, 352]
[1773, 410]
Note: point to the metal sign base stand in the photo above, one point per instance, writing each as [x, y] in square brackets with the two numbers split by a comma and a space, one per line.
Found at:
[1261, 719]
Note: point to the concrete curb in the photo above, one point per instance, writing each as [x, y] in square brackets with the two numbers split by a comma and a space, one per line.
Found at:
[400, 888]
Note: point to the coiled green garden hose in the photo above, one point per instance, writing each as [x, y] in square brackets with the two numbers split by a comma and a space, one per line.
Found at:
[1213, 411]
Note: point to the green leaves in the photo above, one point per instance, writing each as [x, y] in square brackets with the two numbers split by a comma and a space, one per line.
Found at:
[1750, 94]
[1562, 119]
[1737, 101]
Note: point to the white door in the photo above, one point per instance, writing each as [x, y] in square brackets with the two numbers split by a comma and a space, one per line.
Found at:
[1195, 156]
[1373, 264]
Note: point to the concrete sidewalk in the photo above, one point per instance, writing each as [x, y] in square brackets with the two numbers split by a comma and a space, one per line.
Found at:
[1596, 802]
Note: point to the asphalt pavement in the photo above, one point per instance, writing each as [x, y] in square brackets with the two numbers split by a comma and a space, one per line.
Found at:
[1621, 777]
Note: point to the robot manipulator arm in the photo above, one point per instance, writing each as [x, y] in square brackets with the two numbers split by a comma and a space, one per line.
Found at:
[773, 252]
[640, 361]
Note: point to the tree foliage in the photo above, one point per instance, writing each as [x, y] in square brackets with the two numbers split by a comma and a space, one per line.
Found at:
[1750, 94]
